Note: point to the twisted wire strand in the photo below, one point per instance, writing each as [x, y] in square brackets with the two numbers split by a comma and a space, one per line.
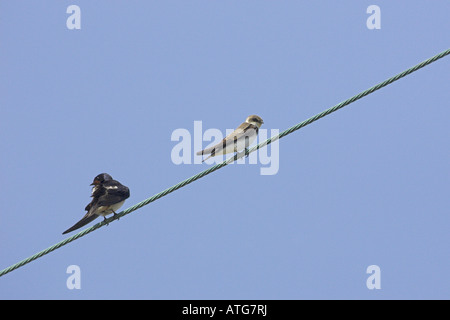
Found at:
[226, 162]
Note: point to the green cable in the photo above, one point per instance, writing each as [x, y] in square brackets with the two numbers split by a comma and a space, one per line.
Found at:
[226, 162]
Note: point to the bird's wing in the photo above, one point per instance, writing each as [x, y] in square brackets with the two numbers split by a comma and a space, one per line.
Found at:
[240, 133]
[115, 192]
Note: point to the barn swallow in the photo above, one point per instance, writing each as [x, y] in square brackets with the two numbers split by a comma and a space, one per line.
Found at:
[108, 196]
[238, 140]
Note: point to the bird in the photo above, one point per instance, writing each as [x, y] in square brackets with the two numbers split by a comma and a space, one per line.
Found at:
[236, 141]
[108, 195]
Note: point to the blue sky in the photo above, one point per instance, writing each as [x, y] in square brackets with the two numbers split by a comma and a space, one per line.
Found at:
[368, 185]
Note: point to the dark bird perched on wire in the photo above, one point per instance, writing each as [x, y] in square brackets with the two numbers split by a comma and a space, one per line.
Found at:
[108, 196]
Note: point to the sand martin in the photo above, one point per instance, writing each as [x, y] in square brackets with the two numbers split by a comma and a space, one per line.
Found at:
[238, 140]
[108, 196]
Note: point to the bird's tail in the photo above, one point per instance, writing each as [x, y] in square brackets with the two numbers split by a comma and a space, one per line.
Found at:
[207, 158]
[211, 151]
[206, 151]
[86, 219]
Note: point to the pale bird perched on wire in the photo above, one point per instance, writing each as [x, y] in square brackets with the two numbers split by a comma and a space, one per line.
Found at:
[238, 140]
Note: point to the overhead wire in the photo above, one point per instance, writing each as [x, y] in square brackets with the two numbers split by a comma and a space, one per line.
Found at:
[224, 163]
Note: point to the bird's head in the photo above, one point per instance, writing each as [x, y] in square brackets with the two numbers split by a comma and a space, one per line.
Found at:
[255, 120]
[102, 177]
